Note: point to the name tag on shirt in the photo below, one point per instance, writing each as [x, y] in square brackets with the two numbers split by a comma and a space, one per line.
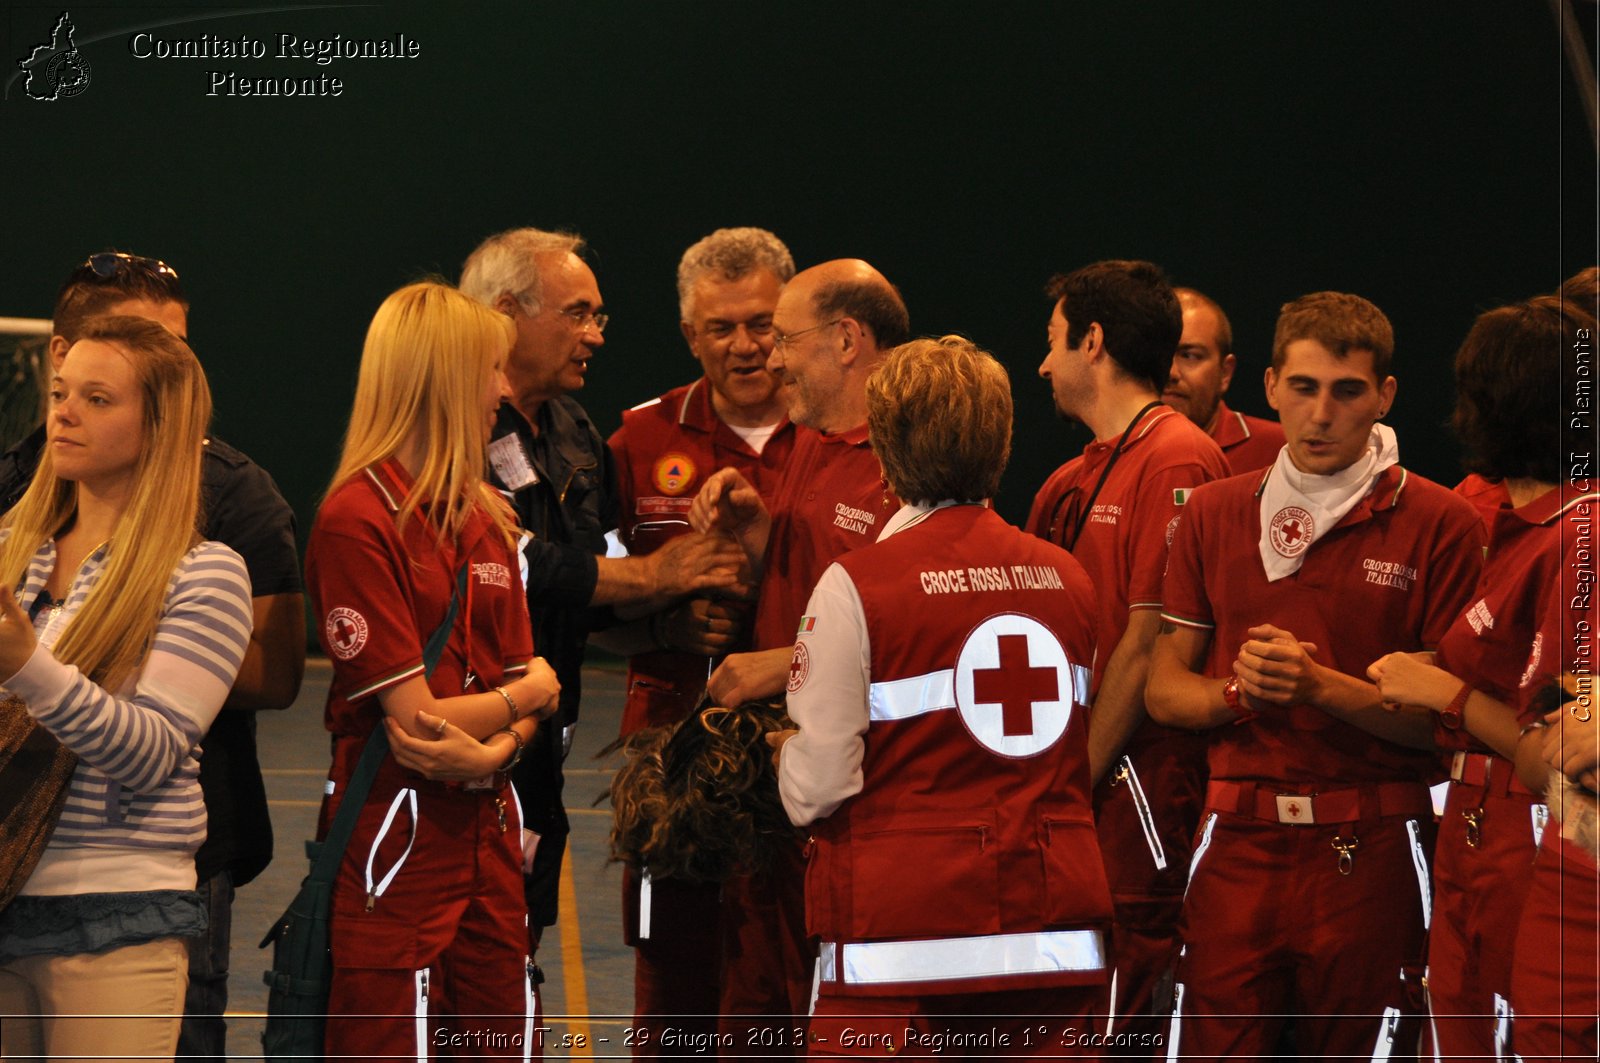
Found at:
[511, 463]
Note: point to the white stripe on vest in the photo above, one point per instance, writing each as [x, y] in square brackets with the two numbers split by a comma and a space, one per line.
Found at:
[902, 699]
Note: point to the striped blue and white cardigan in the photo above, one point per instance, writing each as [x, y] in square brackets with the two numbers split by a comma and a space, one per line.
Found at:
[134, 814]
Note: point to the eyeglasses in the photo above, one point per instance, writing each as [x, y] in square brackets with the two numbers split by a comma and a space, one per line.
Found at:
[584, 318]
[782, 339]
[110, 266]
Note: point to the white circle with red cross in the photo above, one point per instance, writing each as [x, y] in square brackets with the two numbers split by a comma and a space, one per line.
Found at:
[1014, 685]
[1290, 532]
[346, 632]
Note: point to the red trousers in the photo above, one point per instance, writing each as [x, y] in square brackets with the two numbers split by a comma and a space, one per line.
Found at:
[1555, 981]
[675, 929]
[429, 928]
[1163, 794]
[768, 959]
[1273, 928]
[1478, 891]
[1049, 1023]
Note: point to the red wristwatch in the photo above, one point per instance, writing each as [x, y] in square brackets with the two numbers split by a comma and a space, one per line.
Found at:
[1235, 700]
[1450, 715]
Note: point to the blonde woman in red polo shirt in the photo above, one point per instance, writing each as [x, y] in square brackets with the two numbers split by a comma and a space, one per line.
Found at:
[428, 905]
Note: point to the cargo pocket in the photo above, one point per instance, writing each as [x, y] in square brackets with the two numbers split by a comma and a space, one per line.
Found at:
[1074, 876]
[381, 866]
[819, 891]
[929, 875]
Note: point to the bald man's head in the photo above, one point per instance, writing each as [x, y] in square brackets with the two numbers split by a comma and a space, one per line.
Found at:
[849, 287]
[832, 325]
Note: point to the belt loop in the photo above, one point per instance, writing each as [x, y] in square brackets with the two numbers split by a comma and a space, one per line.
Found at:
[1370, 802]
[1246, 805]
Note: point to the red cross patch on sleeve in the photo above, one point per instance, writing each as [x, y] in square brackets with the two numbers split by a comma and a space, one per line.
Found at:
[345, 631]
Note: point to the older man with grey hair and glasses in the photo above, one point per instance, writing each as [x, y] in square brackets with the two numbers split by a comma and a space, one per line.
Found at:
[550, 460]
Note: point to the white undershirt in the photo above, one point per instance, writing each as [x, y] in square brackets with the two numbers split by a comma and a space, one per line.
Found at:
[756, 438]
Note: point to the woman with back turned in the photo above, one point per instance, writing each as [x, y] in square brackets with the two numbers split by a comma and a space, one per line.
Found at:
[1508, 370]
[939, 685]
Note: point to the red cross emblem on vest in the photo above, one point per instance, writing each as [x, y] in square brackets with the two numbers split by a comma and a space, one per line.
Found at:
[1015, 687]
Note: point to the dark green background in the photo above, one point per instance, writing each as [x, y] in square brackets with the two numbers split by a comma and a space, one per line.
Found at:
[1430, 157]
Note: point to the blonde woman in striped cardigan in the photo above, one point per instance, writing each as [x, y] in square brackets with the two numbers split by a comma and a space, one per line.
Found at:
[121, 632]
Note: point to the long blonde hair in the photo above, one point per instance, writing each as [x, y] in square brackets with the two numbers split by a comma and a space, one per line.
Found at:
[111, 633]
[428, 358]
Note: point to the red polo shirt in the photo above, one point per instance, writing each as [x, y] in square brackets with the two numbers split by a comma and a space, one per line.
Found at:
[379, 594]
[1392, 575]
[1124, 542]
[831, 500]
[1487, 646]
[664, 451]
[1486, 496]
[1569, 612]
[1248, 443]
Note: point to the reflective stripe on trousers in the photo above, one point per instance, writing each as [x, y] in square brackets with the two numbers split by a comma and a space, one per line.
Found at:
[946, 959]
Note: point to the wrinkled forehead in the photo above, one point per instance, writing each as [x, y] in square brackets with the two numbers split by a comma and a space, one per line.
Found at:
[568, 281]
[715, 297]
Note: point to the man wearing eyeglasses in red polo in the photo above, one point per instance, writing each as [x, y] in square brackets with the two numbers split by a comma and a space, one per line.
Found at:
[833, 325]
[550, 460]
[242, 508]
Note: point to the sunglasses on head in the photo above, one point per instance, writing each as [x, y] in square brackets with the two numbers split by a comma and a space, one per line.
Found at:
[108, 266]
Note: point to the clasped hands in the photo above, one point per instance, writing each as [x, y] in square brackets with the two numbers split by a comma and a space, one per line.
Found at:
[438, 749]
[1275, 669]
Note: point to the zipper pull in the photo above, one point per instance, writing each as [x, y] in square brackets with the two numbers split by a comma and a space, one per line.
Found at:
[500, 811]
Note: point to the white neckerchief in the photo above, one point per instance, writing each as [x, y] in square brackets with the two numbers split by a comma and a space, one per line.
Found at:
[1299, 508]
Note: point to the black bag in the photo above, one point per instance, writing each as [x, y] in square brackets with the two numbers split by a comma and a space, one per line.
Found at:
[302, 962]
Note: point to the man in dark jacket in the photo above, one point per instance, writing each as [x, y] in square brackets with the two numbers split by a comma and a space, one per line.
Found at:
[553, 464]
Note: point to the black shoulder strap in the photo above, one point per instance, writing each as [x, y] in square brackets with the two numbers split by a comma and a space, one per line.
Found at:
[355, 794]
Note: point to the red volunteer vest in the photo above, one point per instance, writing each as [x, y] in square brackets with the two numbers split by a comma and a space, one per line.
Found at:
[968, 862]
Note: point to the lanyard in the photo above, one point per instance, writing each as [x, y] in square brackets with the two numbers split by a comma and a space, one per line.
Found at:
[1083, 516]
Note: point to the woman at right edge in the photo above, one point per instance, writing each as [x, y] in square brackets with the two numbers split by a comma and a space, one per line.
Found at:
[1507, 370]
